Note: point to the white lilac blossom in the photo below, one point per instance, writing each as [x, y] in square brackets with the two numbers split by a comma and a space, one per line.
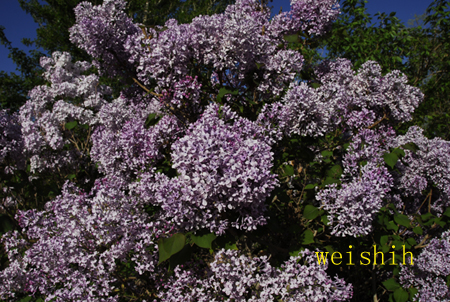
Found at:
[234, 277]
[428, 273]
[133, 148]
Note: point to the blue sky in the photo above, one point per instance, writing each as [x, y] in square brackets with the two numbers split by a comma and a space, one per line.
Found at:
[20, 25]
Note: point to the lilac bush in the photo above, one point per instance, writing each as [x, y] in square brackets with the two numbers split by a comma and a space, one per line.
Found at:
[218, 173]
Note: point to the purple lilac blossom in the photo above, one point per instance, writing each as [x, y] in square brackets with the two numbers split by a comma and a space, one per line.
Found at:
[366, 90]
[133, 148]
[11, 142]
[222, 161]
[311, 16]
[233, 43]
[344, 98]
[50, 107]
[78, 238]
[423, 169]
[429, 271]
[102, 31]
[222, 166]
[234, 277]
[353, 206]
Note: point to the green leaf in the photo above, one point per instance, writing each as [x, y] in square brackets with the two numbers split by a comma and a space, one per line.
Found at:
[296, 252]
[400, 295]
[231, 246]
[223, 91]
[288, 170]
[384, 239]
[391, 284]
[291, 38]
[26, 299]
[399, 152]
[398, 59]
[390, 159]
[411, 241]
[310, 186]
[310, 212]
[329, 249]
[335, 172]
[327, 153]
[402, 220]
[411, 146]
[181, 257]
[71, 176]
[426, 216]
[447, 212]
[170, 246]
[398, 244]
[152, 120]
[412, 292]
[330, 180]
[418, 230]
[71, 125]
[259, 65]
[308, 237]
[439, 222]
[6, 223]
[324, 219]
[392, 226]
[205, 240]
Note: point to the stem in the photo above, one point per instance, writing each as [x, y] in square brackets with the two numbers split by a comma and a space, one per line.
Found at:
[377, 122]
[145, 88]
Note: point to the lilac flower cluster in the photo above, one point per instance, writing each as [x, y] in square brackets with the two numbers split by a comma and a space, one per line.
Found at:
[235, 44]
[423, 169]
[365, 184]
[354, 205]
[234, 277]
[11, 142]
[310, 16]
[360, 99]
[49, 108]
[304, 112]
[133, 148]
[344, 98]
[223, 166]
[78, 239]
[429, 271]
[105, 43]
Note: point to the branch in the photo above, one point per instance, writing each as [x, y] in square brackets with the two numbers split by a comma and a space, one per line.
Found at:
[420, 245]
[146, 89]
[377, 122]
